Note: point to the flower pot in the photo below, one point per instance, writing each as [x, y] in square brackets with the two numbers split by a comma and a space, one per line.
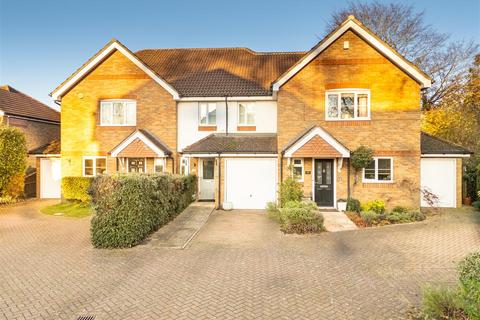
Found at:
[342, 206]
[467, 201]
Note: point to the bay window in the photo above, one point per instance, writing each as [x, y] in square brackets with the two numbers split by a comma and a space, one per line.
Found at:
[347, 104]
[118, 113]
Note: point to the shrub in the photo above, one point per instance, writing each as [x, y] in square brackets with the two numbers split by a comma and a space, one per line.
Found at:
[476, 204]
[469, 276]
[376, 205]
[370, 217]
[290, 190]
[361, 157]
[76, 188]
[353, 205]
[273, 211]
[441, 303]
[13, 155]
[300, 217]
[130, 207]
[400, 209]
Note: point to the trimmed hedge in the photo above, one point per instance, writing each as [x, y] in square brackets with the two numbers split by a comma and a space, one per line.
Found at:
[13, 162]
[300, 217]
[76, 188]
[130, 207]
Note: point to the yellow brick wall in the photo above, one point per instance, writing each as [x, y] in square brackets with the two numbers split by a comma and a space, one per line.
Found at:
[394, 128]
[116, 78]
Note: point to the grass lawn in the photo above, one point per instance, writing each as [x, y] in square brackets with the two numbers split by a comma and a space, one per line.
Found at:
[69, 209]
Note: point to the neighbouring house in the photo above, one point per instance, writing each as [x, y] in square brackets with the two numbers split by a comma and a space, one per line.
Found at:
[243, 121]
[41, 125]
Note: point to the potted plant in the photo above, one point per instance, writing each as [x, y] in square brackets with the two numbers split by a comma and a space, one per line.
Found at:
[467, 201]
[342, 205]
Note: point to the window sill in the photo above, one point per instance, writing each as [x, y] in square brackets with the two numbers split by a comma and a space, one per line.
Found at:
[246, 128]
[207, 128]
[355, 119]
[377, 182]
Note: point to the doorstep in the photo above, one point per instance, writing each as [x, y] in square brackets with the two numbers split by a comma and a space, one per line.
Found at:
[178, 233]
[335, 221]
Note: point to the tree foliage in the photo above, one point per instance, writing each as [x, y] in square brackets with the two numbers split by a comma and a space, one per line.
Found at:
[13, 161]
[404, 28]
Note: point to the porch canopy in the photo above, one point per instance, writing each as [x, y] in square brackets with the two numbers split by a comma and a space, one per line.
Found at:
[141, 144]
[315, 142]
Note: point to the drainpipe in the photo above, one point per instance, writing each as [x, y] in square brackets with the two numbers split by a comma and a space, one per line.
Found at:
[348, 178]
[219, 181]
[226, 115]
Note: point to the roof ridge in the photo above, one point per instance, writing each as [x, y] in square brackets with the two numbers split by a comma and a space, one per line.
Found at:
[227, 48]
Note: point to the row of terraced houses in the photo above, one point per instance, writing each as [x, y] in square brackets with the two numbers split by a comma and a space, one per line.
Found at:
[243, 121]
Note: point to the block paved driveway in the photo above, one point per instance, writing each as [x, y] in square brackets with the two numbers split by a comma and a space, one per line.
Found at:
[238, 267]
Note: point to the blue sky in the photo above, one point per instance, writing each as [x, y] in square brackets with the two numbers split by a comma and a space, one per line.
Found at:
[43, 42]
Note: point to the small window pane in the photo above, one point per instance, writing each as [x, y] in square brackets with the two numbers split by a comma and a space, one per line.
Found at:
[384, 170]
[370, 171]
[328, 177]
[101, 166]
[333, 105]
[106, 113]
[347, 105]
[159, 165]
[362, 103]
[297, 161]
[207, 169]
[118, 113]
[131, 112]
[242, 113]
[297, 173]
[203, 113]
[88, 167]
[212, 114]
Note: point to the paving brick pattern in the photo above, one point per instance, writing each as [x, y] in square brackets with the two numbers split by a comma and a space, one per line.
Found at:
[238, 267]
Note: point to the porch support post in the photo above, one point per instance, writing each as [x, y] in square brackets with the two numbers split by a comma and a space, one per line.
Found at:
[348, 178]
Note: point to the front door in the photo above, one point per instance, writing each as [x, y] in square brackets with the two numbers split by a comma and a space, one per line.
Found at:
[136, 164]
[207, 184]
[324, 182]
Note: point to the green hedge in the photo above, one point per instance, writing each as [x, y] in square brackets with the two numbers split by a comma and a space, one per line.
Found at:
[130, 207]
[13, 162]
[76, 188]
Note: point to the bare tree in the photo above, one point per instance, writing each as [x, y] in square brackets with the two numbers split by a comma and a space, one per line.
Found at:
[404, 28]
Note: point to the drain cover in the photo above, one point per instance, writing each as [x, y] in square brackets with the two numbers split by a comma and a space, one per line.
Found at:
[86, 318]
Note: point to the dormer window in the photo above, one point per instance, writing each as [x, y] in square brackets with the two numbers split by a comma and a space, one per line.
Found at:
[347, 104]
[118, 113]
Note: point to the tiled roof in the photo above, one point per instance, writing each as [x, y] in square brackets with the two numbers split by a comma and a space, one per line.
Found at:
[150, 136]
[53, 147]
[16, 103]
[434, 145]
[218, 71]
[235, 143]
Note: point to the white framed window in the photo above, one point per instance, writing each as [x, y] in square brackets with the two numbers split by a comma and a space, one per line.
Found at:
[184, 166]
[93, 166]
[297, 169]
[379, 170]
[159, 165]
[118, 112]
[246, 114]
[207, 113]
[347, 104]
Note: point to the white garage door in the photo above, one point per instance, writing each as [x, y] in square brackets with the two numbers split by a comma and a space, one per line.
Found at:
[50, 178]
[439, 177]
[250, 183]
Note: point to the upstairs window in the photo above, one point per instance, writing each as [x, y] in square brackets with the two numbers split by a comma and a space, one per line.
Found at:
[348, 104]
[208, 114]
[379, 170]
[118, 113]
[246, 114]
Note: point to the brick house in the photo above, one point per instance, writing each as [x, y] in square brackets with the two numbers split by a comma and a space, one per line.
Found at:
[41, 125]
[243, 121]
